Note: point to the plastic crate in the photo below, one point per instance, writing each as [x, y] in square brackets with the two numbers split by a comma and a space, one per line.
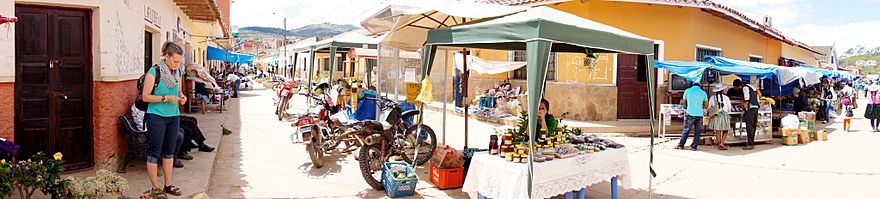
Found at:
[398, 188]
[447, 178]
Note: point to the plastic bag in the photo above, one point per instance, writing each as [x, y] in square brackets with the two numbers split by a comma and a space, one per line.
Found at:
[447, 157]
[790, 121]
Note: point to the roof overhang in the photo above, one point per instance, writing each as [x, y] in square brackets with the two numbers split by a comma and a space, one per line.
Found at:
[203, 10]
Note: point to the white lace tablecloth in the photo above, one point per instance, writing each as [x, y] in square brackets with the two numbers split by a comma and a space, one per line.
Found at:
[495, 177]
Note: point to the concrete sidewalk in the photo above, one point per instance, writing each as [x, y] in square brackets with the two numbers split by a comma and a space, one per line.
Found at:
[194, 177]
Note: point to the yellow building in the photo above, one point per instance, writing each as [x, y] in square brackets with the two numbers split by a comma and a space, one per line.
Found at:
[616, 87]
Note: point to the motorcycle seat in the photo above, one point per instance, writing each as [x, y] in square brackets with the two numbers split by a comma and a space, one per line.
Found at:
[386, 125]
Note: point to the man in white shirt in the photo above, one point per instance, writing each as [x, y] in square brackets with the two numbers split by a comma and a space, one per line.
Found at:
[235, 81]
[750, 98]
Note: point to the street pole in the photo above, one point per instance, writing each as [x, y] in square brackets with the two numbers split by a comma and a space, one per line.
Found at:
[285, 46]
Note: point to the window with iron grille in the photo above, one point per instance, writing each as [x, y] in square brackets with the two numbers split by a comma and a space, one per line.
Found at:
[703, 51]
[339, 63]
[756, 59]
[522, 74]
[326, 62]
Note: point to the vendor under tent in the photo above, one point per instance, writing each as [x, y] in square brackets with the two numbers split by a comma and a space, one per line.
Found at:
[539, 31]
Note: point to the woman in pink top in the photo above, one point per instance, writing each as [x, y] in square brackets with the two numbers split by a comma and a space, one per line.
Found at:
[873, 110]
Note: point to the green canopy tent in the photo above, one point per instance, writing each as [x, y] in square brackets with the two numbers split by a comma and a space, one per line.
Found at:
[539, 31]
[342, 42]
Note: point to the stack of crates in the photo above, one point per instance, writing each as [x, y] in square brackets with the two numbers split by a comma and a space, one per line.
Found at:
[807, 126]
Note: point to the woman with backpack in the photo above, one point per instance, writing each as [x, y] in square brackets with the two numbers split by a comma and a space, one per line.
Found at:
[163, 116]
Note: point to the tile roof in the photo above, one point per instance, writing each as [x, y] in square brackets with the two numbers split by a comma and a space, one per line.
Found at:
[521, 2]
[706, 5]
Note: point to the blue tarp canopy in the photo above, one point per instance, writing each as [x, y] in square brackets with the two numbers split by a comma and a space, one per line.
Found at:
[693, 71]
[825, 72]
[223, 55]
[216, 54]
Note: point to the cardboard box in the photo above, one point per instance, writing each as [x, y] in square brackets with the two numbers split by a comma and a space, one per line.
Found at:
[813, 135]
[807, 116]
[790, 140]
[807, 125]
[803, 137]
[821, 135]
[790, 131]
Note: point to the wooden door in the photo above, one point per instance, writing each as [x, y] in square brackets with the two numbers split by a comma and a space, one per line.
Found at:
[53, 84]
[632, 88]
[148, 50]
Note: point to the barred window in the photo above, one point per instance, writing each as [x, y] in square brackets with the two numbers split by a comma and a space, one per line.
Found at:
[703, 51]
[522, 74]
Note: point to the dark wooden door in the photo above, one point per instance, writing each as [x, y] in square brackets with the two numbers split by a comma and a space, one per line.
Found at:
[148, 50]
[632, 88]
[53, 83]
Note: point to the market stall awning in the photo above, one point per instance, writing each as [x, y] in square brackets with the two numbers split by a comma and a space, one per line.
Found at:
[566, 32]
[539, 31]
[351, 39]
[373, 53]
[215, 53]
[408, 22]
[483, 66]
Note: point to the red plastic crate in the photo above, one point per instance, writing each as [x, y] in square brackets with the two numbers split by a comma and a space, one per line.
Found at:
[447, 178]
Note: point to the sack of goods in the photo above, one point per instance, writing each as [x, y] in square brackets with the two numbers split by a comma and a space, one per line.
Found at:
[790, 131]
[807, 116]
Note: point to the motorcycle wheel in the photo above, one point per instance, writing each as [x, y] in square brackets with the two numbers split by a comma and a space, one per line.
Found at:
[316, 153]
[371, 164]
[282, 108]
[426, 146]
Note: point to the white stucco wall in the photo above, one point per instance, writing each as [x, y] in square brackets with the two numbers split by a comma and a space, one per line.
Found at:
[117, 34]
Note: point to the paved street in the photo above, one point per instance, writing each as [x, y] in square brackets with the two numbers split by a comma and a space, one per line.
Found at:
[259, 161]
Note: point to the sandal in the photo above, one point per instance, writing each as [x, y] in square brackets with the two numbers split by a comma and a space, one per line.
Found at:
[171, 189]
[153, 193]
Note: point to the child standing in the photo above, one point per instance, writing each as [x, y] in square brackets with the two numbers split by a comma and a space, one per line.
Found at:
[719, 119]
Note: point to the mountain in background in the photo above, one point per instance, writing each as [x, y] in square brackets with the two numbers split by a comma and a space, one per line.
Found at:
[866, 58]
[311, 30]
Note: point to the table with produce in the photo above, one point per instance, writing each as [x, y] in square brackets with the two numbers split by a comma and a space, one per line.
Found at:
[563, 164]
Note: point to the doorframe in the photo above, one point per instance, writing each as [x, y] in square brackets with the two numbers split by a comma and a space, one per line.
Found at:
[90, 49]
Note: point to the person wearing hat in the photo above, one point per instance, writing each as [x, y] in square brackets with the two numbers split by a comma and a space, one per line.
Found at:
[719, 119]
[695, 99]
[872, 111]
[801, 104]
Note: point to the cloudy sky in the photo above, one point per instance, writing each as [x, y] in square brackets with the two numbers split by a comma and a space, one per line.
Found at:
[846, 23]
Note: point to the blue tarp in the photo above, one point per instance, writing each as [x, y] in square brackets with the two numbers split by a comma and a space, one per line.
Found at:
[691, 71]
[366, 109]
[216, 54]
[825, 72]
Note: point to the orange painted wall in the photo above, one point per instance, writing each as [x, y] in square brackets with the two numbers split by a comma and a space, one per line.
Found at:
[7, 102]
[110, 100]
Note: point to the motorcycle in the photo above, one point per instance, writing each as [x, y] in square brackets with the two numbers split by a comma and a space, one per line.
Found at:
[389, 137]
[284, 93]
[323, 133]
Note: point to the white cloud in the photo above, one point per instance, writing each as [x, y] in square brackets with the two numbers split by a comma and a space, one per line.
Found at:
[845, 36]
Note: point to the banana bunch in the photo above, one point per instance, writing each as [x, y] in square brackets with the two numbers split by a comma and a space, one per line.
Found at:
[768, 100]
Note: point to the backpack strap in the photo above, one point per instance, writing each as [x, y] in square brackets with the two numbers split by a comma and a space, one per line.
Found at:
[156, 80]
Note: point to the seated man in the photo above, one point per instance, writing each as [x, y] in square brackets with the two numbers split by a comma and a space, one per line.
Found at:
[192, 133]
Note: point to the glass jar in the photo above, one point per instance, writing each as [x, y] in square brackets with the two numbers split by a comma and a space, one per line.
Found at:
[507, 139]
[524, 158]
[493, 144]
[514, 157]
[509, 157]
[520, 149]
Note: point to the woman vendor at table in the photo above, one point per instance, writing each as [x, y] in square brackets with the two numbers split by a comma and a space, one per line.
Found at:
[546, 120]
[801, 104]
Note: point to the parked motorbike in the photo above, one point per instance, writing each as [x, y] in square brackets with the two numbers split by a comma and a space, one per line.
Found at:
[283, 94]
[323, 133]
[389, 137]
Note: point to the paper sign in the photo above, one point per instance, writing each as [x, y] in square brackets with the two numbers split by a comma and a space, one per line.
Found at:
[409, 75]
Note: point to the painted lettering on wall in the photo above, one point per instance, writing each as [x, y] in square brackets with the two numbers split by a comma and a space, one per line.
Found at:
[152, 17]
